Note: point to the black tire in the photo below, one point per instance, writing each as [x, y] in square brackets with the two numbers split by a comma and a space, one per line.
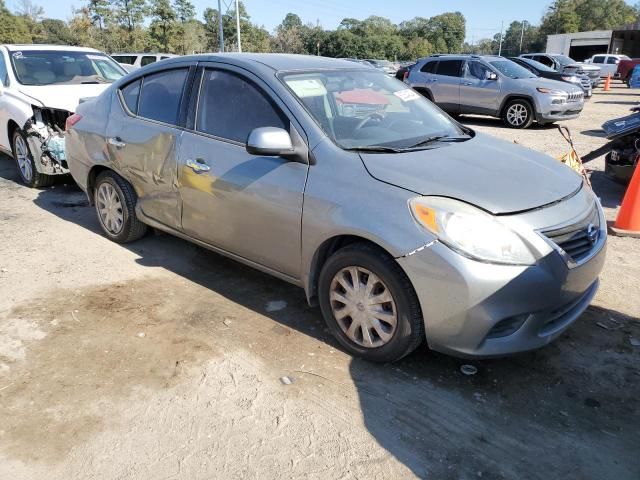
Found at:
[517, 103]
[409, 331]
[37, 180]
[132, 229]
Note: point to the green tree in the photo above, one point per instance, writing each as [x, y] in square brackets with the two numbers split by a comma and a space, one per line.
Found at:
[446, 32]
[560, 17]
[211, 16]
[288, 38]
[99, 12]
[530, 36]
[12, 29]
[130, 13]
[163, 19]
[185, 10]
[56, 32]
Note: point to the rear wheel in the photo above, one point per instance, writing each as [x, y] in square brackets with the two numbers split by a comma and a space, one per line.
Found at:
[518, 113]
[26, 163]
[115, 202]
[369, 304]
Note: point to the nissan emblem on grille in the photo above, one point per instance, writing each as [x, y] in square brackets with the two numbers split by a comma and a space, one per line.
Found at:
[592, 234]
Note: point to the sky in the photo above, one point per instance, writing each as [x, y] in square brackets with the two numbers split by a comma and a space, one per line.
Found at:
[483, 16]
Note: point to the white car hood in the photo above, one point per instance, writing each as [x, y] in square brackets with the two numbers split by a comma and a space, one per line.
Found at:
[62, 97]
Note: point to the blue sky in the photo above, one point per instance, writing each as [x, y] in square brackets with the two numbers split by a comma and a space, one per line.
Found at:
[483, 16]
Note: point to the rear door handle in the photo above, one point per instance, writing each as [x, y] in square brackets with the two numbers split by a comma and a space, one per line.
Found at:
[467, 83]
[116, 142]
[198, 165]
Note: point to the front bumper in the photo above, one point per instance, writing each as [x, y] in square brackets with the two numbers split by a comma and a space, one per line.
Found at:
[475, 309]
[549, 112]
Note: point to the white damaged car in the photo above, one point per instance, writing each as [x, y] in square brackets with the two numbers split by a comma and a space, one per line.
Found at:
[40, 88]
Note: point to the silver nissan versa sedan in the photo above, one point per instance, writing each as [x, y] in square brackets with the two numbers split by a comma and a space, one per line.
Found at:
[398, 221]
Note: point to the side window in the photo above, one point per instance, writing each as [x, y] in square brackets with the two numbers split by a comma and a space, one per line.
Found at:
[130, 95]
[126, 59]
[450, 68]
[429, 67]
[231, 107]
[161, 95]
[4, 75]
[477, 70]
[598, 59]
[543, 59]
[147, 59]
[612, 60]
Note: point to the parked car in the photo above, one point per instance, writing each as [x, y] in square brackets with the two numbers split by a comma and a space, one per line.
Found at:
[138, 60]
[564, 64]
[494, 86]
[608, 63]
[403, 71]
[398, 221]
[385, 65]
[625, 69]
[543, 71]
[41, 86]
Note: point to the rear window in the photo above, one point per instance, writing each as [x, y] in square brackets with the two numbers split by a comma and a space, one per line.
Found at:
[59, 67]
[429, 67]
[161, 95]
[450, 68]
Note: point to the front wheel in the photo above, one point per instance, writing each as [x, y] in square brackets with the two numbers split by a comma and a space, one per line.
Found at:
[518, 114]
[369, 304]
[26, 163]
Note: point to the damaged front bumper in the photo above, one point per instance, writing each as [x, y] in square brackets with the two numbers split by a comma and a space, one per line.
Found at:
[46, 139]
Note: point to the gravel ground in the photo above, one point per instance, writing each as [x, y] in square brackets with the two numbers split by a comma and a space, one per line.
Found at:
[160, 360]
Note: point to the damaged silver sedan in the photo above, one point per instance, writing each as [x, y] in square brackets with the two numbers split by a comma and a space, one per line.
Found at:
[40, 87]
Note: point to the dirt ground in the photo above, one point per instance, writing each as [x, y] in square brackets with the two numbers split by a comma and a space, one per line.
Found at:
[160, 360]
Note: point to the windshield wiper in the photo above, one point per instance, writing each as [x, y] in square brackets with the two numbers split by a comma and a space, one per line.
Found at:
[440, 138]
[375, 148]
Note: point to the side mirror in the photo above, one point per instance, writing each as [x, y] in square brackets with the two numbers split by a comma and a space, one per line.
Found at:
[492, 76]
[269, 142]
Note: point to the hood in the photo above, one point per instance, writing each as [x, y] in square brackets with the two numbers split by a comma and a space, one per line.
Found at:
[581, 67]
[497, 176]
[62, 97]
[550, 83]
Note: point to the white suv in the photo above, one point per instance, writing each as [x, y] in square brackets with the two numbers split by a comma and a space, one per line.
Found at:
[608, 63]
[40, 87]
[132, 61]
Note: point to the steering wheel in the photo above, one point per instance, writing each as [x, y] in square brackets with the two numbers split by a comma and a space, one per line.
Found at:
[368, 118]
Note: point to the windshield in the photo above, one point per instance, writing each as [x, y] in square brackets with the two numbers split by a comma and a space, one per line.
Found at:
[511, 69]
[564, 60]
[367, 108]
[51, 67]
[537, 65]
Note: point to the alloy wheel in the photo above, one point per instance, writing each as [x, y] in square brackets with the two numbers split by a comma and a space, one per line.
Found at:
[22, 157]
[363, 307]
[110, 208]
[517, 114]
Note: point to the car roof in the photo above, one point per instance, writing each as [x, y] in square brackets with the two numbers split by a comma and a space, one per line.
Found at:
[145, 53]
[64, 48]
[274, 61]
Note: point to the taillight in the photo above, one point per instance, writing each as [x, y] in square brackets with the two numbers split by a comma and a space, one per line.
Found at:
[71, 121]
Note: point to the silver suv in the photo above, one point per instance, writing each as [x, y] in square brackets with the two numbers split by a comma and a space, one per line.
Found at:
[495, 86]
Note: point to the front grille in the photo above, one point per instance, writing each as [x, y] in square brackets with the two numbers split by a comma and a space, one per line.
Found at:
[593, 74]
[579, 239]
[575, 97]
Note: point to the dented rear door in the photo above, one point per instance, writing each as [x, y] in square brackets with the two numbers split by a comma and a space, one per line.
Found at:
[143, 137]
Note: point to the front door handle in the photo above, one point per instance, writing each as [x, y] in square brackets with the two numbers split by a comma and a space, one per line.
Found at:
[467, 84]
[116, 142]
[198, 165]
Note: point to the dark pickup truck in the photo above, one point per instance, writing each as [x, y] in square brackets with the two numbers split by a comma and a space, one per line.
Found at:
[625, 67]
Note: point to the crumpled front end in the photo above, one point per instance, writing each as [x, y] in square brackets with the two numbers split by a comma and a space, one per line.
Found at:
[46, 138]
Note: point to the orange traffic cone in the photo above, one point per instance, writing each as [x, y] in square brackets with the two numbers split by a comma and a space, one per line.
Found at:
[628, 222]
[607, 83]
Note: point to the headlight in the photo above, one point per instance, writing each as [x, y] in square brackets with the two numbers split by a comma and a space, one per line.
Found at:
[550, 91]
[470, 231]
[572, 79]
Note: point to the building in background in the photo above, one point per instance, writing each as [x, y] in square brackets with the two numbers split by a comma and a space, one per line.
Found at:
[582, 45]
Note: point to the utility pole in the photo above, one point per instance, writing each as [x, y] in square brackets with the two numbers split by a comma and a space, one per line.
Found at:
[238, 27]
[522, 35]
[501, 30]
[220, 29]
